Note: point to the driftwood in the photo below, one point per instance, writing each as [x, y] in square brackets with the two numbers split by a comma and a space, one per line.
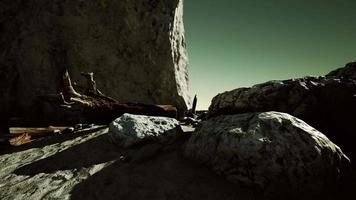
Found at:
[95, 107]
[21, 135]
[34, 131]
[91, 107]
[20, 139]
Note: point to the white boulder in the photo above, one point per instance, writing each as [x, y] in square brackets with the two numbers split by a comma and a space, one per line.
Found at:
[129, 129]
[273, 151]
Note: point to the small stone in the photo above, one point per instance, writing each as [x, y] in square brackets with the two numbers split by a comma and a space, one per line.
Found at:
[123, 158]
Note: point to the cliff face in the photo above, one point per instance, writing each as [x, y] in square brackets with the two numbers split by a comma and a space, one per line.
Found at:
[136, 50]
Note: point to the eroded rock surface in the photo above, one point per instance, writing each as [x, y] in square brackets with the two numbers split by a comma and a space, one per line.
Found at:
[48, 178]
[326, 103]
[136, 50]
[88, 166]
[129, 129]
[273, 151]
[347, 72]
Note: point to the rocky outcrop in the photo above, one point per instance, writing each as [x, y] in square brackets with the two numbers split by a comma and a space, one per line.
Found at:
[326, 103]
[129, 129]
[136, 50]
[273, 151]
[347, 72]
[85, 165]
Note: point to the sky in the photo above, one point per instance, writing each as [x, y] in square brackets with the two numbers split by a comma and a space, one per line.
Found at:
[239, 43]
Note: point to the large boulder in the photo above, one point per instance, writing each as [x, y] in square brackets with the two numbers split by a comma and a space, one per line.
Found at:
[136, 50]
[129, 130]
[84, 165]
[326, 103]
[347, 72]
[273, 151]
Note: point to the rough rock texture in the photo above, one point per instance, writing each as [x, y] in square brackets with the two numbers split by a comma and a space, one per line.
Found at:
[50, 183]
[347, 72]
[129, 129]
[274, 151]
[326, 103]
[136, 50]
[87, 166]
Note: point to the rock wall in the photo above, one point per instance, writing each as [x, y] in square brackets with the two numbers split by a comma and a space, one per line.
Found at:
[136, 50]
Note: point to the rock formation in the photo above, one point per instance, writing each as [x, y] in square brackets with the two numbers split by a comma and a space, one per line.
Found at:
[86, 165]
[136, 49]
[347, 72]
[129, 129]
[273, 151]
[326, 103]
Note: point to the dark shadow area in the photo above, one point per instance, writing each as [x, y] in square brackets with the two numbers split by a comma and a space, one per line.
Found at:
[94, 151]
[167, 176]
[48, 141]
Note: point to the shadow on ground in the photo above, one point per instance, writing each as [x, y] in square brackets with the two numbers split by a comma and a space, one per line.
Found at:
[86, 154]
[165, 175]
[48, 141]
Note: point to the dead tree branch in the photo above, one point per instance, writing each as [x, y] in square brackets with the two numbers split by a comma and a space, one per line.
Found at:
[95, 107]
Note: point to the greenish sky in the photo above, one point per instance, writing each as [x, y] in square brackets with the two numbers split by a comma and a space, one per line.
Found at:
[236, 43]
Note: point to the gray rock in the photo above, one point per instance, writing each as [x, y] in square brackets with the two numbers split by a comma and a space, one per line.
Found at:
[326, 103]
[53, 175]
[274, 151]
[136, 50]
[347, 72]
[86, 167]
[129, 129]
[294, 96]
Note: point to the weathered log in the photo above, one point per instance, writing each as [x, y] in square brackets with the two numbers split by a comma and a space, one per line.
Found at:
[20, 140]
[23, 135]
[35, 131]
[95, 107]
[67, 88]
[17, 136]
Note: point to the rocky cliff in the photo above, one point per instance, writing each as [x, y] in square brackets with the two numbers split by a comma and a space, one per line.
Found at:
[136, 50]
